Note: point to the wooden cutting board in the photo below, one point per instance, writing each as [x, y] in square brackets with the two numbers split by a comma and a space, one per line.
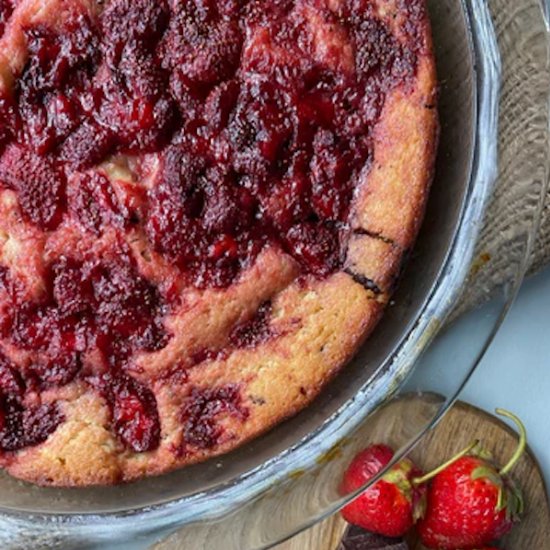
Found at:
[462, 424]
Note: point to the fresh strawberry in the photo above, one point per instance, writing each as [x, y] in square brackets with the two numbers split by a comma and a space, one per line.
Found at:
[392, 505]
[471, 503]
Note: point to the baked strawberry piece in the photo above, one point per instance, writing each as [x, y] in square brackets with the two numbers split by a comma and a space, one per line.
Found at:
[203, 210]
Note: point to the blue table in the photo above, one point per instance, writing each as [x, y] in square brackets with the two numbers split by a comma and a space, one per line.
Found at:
[515, 373]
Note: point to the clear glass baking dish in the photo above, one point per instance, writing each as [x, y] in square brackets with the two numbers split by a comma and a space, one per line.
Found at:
[493, 163]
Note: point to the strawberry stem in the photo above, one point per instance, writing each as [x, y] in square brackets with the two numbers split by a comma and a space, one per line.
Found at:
[522, 440]
[439, 469]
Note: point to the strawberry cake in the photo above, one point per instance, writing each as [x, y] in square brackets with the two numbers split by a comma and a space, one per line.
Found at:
[204, 208]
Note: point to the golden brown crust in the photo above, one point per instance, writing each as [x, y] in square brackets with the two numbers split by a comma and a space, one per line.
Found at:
[391, 203]
[319, 324]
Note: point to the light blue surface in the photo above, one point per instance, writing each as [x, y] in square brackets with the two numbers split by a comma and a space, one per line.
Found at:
[515, 373]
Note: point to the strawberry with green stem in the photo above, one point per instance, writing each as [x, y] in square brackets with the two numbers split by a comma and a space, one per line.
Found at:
[393, 504]
[471, 503]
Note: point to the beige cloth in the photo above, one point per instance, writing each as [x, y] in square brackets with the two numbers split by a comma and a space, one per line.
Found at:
[524, 150]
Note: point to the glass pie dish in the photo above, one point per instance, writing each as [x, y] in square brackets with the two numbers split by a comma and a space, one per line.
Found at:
[492, 165]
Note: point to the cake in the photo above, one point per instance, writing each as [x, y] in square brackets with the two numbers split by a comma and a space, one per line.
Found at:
[204, 209]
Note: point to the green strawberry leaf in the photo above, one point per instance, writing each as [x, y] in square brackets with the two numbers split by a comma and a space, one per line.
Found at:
[398, 476]
[515, 502]
[482, 453]
[489, 473]
[502, 501]
[420, 507]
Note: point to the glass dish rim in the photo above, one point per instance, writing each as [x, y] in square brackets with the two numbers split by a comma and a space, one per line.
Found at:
[254, 482]
[152, 523]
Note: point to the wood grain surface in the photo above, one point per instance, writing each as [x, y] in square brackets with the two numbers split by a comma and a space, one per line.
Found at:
[463, 423]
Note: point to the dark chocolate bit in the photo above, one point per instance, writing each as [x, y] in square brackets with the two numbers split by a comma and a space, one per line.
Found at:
[356, 538]
[374, 235]
[365, 282]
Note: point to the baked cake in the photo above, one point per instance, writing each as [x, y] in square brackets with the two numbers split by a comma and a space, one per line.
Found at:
[204, 207]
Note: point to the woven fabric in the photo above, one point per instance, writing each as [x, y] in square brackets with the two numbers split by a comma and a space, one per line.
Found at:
[524, 148]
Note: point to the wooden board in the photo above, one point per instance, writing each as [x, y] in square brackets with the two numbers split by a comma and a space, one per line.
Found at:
[462, 424]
